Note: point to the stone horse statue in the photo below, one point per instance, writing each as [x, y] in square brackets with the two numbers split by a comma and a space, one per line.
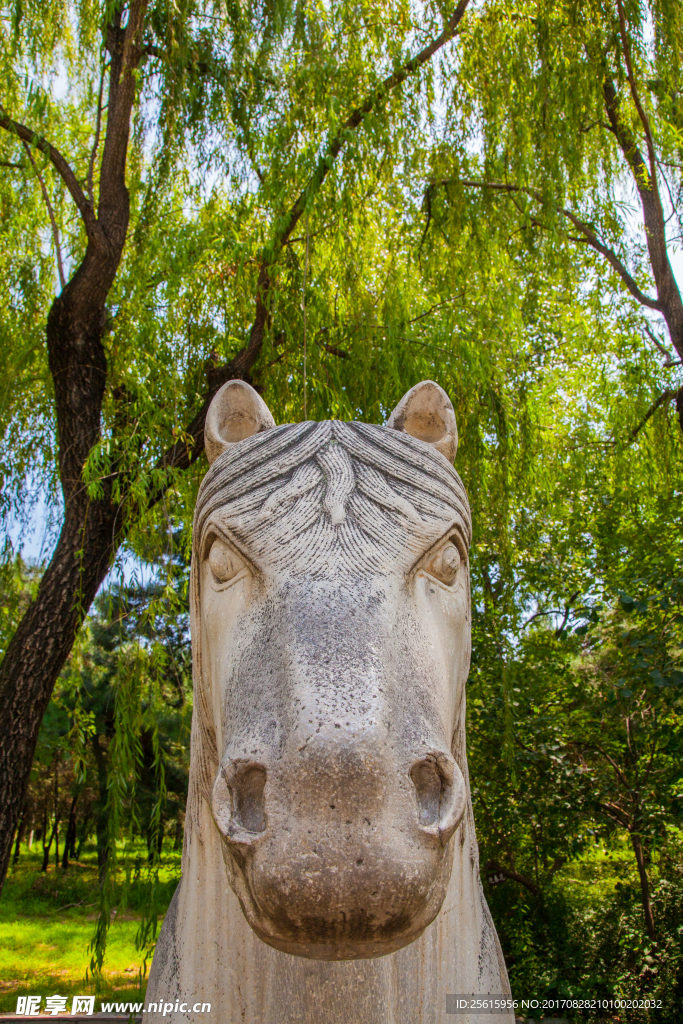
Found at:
[330, 868]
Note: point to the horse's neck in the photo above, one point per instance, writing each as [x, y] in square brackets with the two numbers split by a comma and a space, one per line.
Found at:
[208, 953]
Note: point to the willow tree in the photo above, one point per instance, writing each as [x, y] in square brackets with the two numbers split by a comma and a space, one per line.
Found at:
[115, 116]
[578, 115]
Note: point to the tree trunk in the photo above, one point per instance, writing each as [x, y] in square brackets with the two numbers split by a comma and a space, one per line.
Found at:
[92, 527]
[57, 810]
[670, 303]
[85, 832]
[101, 824]
[70, 836]
[41, 645]
[20, 832]
[46, 849]
[644, 885]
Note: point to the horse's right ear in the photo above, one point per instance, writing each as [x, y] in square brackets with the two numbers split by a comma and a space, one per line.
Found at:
[426, 412]
[236, 412]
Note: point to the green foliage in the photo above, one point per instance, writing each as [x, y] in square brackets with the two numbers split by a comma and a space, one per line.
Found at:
[584, 939]
[18, 583]
[578, 650]
[235, 107]
[398, 270]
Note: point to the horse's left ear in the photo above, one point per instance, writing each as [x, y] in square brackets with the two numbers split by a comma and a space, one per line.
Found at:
[236, 412]
[426, 412]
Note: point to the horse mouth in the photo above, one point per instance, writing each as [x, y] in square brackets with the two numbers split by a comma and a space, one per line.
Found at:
[356, 937]
[341, 898]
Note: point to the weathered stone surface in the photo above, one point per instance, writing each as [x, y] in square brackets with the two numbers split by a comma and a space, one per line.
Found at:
[330, 871]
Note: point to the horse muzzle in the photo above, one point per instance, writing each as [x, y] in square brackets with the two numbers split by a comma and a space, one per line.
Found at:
[341, 852]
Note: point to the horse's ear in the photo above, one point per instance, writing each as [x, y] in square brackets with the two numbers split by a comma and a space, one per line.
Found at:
[426, 412]
[236, 412]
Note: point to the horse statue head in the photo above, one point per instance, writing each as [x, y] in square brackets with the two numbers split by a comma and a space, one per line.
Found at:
[330, 608]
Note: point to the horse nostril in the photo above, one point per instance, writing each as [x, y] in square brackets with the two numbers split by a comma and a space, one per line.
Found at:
[247, 785]
[427, 782]
[441, 794]
[238, 803]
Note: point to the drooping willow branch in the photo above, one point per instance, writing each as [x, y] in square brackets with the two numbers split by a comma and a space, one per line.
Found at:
[586, 230]
[50, 213]
[645, 121]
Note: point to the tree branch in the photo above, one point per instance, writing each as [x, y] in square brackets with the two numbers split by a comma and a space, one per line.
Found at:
[567, 608]
[614, 261]
[357, 116]
[148, 50]
[514, 876]
[538, 615]
[51, 215]
[636, 99]
[96, 141]
[585, 229]
[668, 295]
[615, 812]
[657, 342]
[63, 169]
[125, 48]
[437, 305]
[666, 396]
[668, 361]
[610, 760]
[334, 350]
[556, 865]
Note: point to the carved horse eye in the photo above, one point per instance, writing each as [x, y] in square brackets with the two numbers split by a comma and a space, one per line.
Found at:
[224, 563]
[444, 564]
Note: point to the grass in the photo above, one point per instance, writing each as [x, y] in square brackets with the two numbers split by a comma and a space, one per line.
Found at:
[47, 921]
